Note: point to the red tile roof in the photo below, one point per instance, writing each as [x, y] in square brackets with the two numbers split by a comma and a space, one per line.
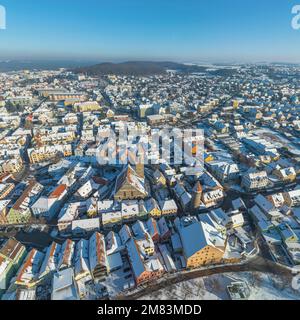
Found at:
[56, 193]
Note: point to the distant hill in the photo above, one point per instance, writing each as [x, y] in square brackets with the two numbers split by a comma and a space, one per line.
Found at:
[16, 65]
[138, 68]
[134, 68]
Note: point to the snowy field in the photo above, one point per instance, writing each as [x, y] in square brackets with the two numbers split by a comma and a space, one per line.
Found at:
[262, 287]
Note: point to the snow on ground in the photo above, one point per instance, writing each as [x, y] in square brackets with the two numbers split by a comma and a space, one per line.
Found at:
[262, 287]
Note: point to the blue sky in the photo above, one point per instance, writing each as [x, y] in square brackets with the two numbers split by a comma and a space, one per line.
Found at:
[179, 30]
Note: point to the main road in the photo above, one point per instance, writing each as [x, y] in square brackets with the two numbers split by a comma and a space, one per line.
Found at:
[257, 264]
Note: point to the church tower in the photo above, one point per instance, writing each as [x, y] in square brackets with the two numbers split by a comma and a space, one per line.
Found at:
[197, 195]
[140, 161]
[140, 170]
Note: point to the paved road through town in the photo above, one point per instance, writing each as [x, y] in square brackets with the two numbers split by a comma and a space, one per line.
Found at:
[257, 264]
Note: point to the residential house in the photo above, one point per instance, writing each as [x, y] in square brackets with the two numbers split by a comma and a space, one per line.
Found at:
[130, 210]
[153, 229]
[3, 211]
[267, 207]
[11, 166]
[110, 219]
[46, 153]
[20, 211]
[292, 198]
[144, 269]
[12, 254]
[48, 207]
[211, 191]
[168, 207]
[113, 243]
[255, 181]
[67, 215]
[28, 274]
[85, 226]
[125, 234]
[225, 171]
[50, 263]
[286, 174]
[6, 189]
[81, 260]
[164, 230]
[97, 256]
[65, 259]
[64, 286]
[152, 208]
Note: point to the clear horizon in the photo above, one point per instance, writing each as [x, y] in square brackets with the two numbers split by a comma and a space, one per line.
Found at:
[87, 61]
[192, 31]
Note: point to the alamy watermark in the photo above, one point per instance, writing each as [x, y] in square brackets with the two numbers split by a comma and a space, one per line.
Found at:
[151, 147]
[296, 17]
[2, 17]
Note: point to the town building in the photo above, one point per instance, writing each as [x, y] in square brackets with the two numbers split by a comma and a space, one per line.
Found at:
[46, 153]
[64, 286]
[202, 244]
[255, 181]
[12, 254]
[28, 274]
[130, 185]
[21, 211]
[97, 256]
[144, 269]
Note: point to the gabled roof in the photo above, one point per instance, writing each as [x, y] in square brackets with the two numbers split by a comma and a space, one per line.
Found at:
[167, 205]
[58, 191]
[264, 204]
[97, 251]
[11, 249]
[151, 204]
[152, 227]
[198, 235]
[51, 259]
[163, 227]
[238, 204]
[135, 258]
[82, 257]
[139, 229]
[125, 233]
[219, 216]
[29, 270]
[112, 242]
[129, 176]
[66, 255]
